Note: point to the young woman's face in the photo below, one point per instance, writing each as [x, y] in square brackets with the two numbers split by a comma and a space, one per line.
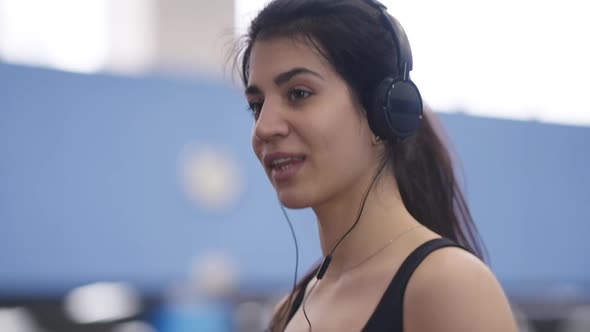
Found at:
[308, 131]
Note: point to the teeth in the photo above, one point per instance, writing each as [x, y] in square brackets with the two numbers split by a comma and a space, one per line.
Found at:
[280, 161]
[283, 167]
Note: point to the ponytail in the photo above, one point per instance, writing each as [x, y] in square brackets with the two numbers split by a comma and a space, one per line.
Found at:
[428, 186]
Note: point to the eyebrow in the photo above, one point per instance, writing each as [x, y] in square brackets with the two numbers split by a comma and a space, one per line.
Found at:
[283, 78]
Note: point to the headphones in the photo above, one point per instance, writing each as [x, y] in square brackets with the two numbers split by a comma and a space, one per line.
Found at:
[397, 109]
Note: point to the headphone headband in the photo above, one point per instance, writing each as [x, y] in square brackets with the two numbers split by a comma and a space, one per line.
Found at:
[400, 39]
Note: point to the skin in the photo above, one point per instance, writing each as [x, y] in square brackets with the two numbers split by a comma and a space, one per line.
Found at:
[302, 106]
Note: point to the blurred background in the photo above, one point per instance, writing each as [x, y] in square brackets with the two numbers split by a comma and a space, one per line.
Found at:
[130, 200]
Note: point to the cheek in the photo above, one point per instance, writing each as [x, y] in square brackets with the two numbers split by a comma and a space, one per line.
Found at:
[345, 142]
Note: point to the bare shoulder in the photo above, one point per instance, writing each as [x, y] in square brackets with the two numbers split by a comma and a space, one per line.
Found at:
[452, 290]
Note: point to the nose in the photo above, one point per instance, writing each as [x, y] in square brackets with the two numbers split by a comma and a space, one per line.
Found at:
[271, 123]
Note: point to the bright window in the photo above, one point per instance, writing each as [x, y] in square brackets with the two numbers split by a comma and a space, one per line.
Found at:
[82, 36]
[66, 34]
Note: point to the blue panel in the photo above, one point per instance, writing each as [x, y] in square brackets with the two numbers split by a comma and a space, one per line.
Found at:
[90, 187]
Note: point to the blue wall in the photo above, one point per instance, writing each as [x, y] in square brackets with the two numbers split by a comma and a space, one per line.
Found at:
[89, 187]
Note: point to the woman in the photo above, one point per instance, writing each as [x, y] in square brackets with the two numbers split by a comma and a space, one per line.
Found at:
[319, 75]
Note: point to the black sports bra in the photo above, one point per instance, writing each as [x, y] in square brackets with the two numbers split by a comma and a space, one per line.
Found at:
[388, 316]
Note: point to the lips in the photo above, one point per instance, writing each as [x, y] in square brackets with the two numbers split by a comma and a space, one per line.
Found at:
[283, 166]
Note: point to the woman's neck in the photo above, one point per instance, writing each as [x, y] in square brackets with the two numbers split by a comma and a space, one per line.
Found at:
[384, 216]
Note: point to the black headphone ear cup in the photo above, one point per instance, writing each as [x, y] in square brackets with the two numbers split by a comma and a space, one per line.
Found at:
[376, 114]
[397, 112]
[404, 109]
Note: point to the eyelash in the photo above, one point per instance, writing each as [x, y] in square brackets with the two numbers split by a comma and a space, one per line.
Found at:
[255, 107]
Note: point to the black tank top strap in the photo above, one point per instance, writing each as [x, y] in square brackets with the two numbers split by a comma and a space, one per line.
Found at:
[388, 315]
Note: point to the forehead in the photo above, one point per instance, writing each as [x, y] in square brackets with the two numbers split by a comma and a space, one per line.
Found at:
[276, 55]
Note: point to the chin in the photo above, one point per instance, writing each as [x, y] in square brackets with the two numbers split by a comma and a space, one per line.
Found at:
[293, 201]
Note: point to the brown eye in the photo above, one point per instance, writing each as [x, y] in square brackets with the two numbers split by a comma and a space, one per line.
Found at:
[298, 94]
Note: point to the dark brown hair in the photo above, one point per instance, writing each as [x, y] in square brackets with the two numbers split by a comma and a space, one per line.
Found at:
[351, 37]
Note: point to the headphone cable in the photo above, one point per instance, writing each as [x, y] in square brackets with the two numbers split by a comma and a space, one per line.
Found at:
[328, 258]
[290, 300]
